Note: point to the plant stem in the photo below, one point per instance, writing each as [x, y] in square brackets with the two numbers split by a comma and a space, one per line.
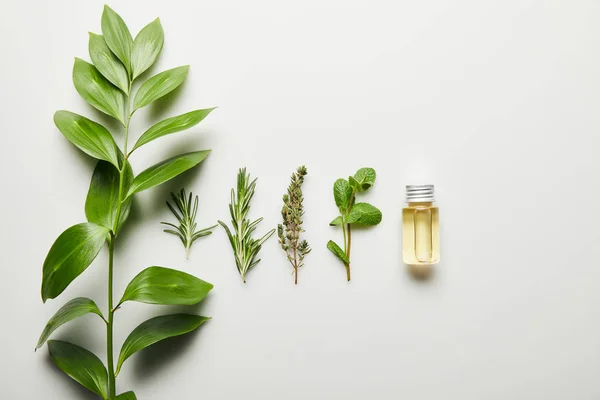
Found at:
[112, 387]
[348, 247]
[109, 326]
[295, 264]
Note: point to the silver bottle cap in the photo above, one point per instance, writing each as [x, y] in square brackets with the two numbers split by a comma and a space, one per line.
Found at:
[420, 194]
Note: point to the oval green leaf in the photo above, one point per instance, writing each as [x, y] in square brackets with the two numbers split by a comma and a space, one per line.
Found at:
[73, 309]
[172, 125]
[166, 170]
[342, 193]
[337, 250]
[126, 396]
[364, 214]
[117, 36]
[81, 365]
[365, 178]
[69, 256]
[146, 47]
[97, 91]
[157, 329]
[159, 285]
[159, 85]
[337, 221]
[106, 62]
[89, 136]
[103, 195]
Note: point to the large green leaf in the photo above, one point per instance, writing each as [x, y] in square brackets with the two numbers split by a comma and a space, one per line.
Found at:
[337, 250]
[159, 85]
[364, 214]
[146, 47]
[172, 125]
[117, 36]
[126, 396]
[157, 329]
[158, 285]
[69, 256]
[73, 309]
[97, 91]
[89, 136]
[342, 193]
[166, 170]
[81, 365]
[103, 195]
[364, 178]
[106, 62]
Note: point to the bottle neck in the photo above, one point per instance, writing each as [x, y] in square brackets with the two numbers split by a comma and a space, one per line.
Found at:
[419, 204]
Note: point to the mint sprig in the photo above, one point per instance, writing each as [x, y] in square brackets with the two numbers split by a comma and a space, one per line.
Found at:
[344, 193]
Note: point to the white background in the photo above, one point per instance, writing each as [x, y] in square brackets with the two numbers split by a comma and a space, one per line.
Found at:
[495, 102]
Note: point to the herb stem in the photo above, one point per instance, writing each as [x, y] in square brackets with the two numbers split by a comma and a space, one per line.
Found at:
[109, 326]
[348, 247]
[111, 249]
[295, 265]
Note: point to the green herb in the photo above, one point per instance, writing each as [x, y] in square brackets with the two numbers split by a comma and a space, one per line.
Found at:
[186, 215]
[118, 60]
[289, 231]
[245, 247]
[344, 192]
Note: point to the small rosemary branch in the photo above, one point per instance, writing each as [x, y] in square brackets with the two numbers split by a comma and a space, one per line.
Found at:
[289, 231]
[245, 248]
[186, 215]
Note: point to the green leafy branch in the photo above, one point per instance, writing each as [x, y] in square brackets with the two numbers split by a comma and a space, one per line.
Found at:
[118, 60]
[344, 193]
[245, 247]
[292, 213]
[186, 216]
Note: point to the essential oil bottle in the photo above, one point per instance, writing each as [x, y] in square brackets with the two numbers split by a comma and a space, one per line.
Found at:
[420, 227]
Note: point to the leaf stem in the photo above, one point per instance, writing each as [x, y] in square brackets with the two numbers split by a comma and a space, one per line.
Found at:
[111, 250]
[109, 325]
[348, 247]
[126, 135]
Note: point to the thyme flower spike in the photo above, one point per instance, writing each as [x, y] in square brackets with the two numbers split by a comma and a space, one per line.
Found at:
[289, 232]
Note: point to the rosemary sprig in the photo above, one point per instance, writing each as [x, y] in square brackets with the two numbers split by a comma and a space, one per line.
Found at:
[289, 231]
[245, 248]
[186, 215]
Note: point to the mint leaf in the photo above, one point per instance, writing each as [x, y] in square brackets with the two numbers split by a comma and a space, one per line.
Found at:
[342, 192]
[337, 250]
[364, 214]
[336, 222]
[365, 178]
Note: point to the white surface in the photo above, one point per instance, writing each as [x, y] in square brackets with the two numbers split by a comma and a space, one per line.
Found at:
[496, 102]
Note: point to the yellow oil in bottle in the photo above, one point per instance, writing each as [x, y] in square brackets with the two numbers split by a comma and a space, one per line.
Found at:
[420, 227]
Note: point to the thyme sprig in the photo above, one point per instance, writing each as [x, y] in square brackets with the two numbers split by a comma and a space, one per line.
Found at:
[245, 248]
[186, 215]
[289, 232]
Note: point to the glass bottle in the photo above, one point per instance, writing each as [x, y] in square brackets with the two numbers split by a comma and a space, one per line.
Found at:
[420, 227]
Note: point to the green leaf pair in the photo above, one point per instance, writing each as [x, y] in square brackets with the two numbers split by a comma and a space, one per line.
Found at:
[154, 285]
[136, 55]
[344, 194]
